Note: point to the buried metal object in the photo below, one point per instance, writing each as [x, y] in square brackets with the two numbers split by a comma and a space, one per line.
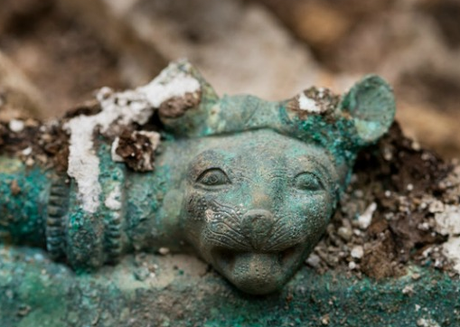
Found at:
[250, 185]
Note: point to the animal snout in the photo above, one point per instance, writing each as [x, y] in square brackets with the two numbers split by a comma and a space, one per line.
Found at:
[257, 225]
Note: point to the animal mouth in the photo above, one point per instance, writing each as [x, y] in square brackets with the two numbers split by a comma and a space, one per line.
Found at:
[257, 272]
[227, 258]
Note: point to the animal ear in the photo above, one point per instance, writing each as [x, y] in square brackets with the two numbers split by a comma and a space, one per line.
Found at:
[187, 110]
[371, 105]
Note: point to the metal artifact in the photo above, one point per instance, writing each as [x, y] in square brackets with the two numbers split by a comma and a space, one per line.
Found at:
[249, 185]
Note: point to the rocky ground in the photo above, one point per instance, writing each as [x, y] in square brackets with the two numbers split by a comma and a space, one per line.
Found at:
[402, 207]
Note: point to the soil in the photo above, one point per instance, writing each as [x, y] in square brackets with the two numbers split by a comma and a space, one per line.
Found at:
[177, 106]
[403, 182]
[136, 150]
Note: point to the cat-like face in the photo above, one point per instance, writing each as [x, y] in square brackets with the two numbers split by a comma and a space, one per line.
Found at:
[255, 207]
[256, 202]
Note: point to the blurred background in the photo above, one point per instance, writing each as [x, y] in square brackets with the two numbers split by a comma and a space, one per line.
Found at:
[55, 53]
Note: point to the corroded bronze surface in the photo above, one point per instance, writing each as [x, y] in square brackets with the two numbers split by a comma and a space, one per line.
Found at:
[249, 184]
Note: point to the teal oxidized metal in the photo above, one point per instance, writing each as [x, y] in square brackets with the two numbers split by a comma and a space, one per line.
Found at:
[248, 184]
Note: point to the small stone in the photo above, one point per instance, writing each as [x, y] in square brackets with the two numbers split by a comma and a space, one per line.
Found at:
[163, 251]
[357, 252]
[352, 265]
[408, 289]
[365, 219]
[39, 257]
[436, 206]
[416, 146]
[345, 233]
[426, 156]
[389, 215]
[27, 151]
[30, 162]
[416, 276]
[423, 226]
[16, 125]
[141, 273]
[387, 154]
[31, 123]
[313, 260]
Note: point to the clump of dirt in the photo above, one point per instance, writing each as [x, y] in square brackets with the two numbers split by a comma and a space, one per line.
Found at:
[177, 106]
[386, 217]
[136, 149]
[88, 108]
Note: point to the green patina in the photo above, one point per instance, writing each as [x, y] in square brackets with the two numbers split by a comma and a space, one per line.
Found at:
[186, 297]
[24, 193]
[249, 185]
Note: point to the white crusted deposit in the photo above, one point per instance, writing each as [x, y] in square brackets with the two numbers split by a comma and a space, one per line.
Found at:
[113, 201]
[308, 104]
[113, 150]
[451, 249]
[314, 101]
[119, 109]
[447, 222]
[427, 322]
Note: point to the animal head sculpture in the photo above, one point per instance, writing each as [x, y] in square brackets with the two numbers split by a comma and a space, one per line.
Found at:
[260, 191]
[250, 184]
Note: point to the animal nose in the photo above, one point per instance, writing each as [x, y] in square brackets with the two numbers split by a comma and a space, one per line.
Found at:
[257, 225]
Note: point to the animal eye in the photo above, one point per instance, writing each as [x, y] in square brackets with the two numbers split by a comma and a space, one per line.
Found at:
[307, 182]
[213, 177]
